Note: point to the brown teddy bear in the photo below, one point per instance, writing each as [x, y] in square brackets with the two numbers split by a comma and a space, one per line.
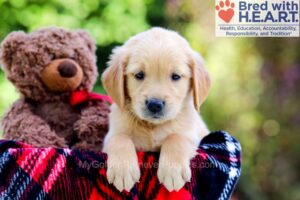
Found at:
[48, 67]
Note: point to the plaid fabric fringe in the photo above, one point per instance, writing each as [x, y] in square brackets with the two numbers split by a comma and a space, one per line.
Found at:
[52, 173]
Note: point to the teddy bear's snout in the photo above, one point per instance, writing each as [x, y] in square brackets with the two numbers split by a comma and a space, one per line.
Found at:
[67, 69]
[62, 75]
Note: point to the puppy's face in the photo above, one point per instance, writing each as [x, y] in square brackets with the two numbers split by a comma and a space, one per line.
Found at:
[155, 74]
[158, 81]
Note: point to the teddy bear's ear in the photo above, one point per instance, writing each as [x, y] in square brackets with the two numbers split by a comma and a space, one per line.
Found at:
[9, 46]
[88, 40]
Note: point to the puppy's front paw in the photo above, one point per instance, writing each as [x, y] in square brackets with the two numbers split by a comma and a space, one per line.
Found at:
[122, 174]
[173, 174]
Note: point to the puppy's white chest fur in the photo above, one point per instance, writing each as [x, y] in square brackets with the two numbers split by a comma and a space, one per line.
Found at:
[150, 139]
[146, 141]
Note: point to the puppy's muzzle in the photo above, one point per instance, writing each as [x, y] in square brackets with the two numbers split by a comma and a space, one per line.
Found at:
[154, 105]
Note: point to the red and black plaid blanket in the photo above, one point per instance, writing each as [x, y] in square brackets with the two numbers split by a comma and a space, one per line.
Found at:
[52, 173]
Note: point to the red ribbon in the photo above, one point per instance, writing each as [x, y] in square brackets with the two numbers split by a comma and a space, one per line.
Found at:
[82, 96]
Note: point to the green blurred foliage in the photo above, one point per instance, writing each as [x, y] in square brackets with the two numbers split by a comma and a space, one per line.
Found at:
[255, 82]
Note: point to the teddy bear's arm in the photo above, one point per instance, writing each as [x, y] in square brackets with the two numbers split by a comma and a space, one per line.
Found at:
[20, 123]
[92, 126]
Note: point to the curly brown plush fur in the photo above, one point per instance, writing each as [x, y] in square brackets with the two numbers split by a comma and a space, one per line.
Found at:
[45, 66]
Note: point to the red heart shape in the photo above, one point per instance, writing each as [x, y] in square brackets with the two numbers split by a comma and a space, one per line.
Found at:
[226, 15]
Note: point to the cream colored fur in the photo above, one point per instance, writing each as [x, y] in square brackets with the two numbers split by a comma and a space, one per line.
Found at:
[158, 53]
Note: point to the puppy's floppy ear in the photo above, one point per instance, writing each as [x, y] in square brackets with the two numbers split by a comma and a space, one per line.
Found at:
[200, 79]
[113, 77]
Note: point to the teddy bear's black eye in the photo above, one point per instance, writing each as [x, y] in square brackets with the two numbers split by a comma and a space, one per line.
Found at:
[73, 57]
[52, 56]
[175, 77]
[139, 76]
[22, 74]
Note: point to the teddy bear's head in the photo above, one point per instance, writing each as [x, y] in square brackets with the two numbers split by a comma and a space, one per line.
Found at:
[49, 63]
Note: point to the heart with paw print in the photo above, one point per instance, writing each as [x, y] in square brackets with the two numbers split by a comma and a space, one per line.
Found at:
[226, 15]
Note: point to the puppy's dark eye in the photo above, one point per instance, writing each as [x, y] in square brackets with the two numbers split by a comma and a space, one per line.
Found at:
[175, 77]
[139, 76]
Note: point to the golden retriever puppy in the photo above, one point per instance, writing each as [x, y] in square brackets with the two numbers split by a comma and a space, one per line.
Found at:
[157, 83]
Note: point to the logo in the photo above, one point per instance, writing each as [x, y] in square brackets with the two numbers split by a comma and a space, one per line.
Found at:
[225, 10]
[257, 18]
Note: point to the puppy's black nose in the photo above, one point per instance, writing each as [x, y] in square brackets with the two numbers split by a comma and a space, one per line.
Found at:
[155, 105]
[67, 69]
